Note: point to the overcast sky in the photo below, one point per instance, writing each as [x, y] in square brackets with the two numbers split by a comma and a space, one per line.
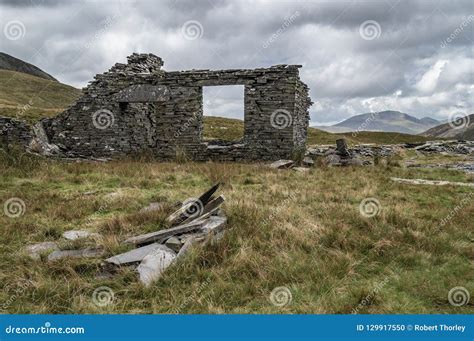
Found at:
[357, 56]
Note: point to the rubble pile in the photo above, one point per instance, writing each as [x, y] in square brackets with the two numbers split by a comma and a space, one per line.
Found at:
[196, 220]
[446, 147]
[364, 154]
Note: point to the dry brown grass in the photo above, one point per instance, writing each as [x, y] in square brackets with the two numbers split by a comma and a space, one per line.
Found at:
[301, 231]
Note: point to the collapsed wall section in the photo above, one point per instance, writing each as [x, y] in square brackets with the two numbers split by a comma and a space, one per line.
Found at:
[138, 107]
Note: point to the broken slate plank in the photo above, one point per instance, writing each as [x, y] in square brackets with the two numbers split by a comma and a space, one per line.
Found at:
[210, 208]
[154, 264]
[164, 234]
[84, 253]
[133, 256]
[281, 164]
[180, 215]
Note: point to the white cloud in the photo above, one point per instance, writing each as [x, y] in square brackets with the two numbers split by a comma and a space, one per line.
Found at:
[427, 84]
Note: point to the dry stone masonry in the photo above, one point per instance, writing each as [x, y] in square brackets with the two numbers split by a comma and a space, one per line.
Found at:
[138, 107]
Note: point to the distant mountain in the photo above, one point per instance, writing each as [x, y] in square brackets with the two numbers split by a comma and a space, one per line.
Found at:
[460, 130]
[385, 121]
[10, 63]
[430, 121]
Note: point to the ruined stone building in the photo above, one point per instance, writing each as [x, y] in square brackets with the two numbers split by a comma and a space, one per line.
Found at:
[138, 107]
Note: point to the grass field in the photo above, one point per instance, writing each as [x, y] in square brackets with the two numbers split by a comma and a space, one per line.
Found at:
[303, 232]
[231, 129]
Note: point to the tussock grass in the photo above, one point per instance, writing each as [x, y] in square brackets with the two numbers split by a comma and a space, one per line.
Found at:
[300, 231]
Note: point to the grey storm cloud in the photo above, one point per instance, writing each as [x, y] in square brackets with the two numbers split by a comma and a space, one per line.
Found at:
[357, 56]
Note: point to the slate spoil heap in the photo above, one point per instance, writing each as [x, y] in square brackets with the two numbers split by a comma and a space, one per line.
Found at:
[197, 220]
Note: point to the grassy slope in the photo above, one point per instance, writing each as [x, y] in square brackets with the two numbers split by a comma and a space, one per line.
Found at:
[230, 129]
[30, 98]
[285, 229]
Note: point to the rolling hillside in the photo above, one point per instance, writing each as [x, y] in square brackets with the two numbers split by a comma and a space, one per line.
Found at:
[11, 63]
[29, 97]
[231, 129]
[462, 131]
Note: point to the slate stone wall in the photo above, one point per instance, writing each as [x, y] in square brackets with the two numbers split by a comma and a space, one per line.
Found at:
[138, 107]
[14, 132]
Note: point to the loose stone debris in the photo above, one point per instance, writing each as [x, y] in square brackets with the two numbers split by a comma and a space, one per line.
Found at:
[341, 155]
[79, 234]
[84, 253]
[431, 182]
[197, 220]
[194, 221]
[35, 250]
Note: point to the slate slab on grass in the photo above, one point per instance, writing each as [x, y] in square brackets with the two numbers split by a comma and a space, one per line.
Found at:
[154, 264]
[282, 164]
[84, 253]
[133, 256]
[79, 234]
[35, 250]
